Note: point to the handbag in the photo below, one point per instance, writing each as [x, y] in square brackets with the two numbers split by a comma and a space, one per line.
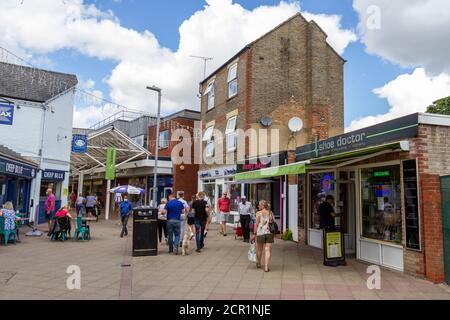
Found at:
[273, 226]
[252, 252]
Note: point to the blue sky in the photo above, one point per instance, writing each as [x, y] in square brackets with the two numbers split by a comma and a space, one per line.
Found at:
[364, 72]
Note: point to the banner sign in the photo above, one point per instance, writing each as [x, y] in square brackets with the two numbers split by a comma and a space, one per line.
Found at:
[111, 164]
[263, 162]
[6, 114]
[16, 169]
[53, 175]
[79, 143]
[391, 131]
[210, 174]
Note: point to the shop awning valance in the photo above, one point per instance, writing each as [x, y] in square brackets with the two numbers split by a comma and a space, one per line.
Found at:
[295, 168]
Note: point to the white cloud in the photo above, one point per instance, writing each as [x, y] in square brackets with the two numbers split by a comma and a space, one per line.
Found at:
[408, 93]
[413, 33]
[219, 30]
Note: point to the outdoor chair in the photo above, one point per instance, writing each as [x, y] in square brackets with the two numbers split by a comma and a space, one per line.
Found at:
[82, 231]
[7, 233]
[61, 229]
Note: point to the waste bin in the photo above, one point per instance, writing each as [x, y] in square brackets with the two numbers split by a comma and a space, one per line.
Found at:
[333, 247]
[145, 231]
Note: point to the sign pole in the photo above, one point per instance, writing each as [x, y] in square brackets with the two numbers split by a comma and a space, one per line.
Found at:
[108, 199]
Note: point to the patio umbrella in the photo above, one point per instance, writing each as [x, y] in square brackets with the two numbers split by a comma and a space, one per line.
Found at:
[127, 189]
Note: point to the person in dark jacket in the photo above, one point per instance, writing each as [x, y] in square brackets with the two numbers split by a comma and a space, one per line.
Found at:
[327, 213]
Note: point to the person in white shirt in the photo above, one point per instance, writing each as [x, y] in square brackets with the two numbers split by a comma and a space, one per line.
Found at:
[180, 196]
[245, 213]
[162, 221]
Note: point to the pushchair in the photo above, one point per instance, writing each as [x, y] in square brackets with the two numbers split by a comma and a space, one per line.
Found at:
[61, 229]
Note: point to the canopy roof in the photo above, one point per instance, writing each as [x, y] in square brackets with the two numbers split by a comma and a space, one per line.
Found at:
[98, 143]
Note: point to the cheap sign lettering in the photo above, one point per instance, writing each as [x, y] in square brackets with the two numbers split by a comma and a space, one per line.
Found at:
[13, 168]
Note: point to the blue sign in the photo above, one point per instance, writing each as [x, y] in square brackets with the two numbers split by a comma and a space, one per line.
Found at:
[6, 114]
[53, 175]
[79, 143]
[16, 169]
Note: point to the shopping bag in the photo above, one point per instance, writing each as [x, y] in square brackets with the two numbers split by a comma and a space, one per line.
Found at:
[252, 252]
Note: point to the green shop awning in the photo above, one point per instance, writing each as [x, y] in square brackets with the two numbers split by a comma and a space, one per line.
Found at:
[294, 168]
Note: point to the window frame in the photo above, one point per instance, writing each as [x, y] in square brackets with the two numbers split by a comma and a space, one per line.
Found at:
[161, 145]
[232, 80]
[231, 133]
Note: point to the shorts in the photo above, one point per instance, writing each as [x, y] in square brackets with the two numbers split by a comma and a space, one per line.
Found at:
[191, 221]
[49, 217]
[223, 217]
[267, 238]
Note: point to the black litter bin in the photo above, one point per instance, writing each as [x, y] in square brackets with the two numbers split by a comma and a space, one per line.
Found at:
[145, 231]
[333, 247]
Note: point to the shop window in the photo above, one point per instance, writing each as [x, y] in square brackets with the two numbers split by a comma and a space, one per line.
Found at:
[231, 135]
[235, 196]
[164, 139]
[301, 199]
[2, 190]
[322, 184]
[232, 81]
[211, 95]
[381, 204]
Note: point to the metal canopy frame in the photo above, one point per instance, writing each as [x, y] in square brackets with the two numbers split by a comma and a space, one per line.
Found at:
[98, 144]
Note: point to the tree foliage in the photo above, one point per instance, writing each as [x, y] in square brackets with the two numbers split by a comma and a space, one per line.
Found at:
[441, 106]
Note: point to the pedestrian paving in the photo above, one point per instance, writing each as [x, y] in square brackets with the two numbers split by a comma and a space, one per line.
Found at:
[36, 269]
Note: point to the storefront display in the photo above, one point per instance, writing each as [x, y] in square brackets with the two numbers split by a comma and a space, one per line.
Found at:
[381, 212]
[411, 196]
[321, 184]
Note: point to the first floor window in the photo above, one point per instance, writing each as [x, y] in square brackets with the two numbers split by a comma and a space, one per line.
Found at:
[164, 139]
[231, 135]
[210, 148]
[381, 204]
[232, 81]
[208, 137]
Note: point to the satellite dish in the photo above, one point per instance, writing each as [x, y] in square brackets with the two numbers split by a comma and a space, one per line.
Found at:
[266, 121]
[295, 125]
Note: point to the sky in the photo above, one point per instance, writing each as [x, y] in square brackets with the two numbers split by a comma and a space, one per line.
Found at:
[396, 51]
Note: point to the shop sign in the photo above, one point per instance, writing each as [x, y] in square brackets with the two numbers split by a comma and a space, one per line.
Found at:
[391, 131]
[111, 155]
[6, 114]
[381, 174]
[16, 169]
[162, 181]
[52, 175]
[262, 162]
[334, 249]
[79, 143]
[217, 173]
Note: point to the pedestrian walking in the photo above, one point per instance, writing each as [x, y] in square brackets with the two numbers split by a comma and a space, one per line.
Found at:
[224, 209]
[91, 202]
[245, 214]
[183, 221]
[210, 214]
[191, 217]
[174, 209]
[264, 237]
[162, 221]
[79, 204]
[125, 212]
[49, 207]
[200, 210]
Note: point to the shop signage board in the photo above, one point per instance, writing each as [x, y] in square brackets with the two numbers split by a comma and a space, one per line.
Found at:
[391, 131]
[6, 114]
[210, 174]
[262, 162]
[79, 143]
[53, 175]
[111, 164]
[16, 169]
[334, 247]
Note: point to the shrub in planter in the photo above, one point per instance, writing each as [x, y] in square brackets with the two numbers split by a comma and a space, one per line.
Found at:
[287, 235]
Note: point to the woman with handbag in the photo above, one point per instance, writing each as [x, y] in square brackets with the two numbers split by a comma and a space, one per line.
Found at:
[263, 234]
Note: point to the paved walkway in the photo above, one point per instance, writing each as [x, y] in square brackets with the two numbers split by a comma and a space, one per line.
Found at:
[36, 269]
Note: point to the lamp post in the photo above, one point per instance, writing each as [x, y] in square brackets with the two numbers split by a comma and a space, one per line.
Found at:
[155, 177]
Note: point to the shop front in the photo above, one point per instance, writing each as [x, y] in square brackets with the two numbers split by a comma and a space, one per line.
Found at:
[375, 176]
[15, 183]
[53, 179]
[217, 180]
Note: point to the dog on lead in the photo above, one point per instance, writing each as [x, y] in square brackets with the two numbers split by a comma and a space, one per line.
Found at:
[187, 236]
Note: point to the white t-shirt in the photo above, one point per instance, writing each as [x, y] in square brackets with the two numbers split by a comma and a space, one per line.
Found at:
[186, 207]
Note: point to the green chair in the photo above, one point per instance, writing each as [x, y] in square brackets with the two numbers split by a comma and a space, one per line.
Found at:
[81, 230]
[6, 233]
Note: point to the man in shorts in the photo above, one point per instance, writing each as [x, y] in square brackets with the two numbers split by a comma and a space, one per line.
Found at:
[224, 204]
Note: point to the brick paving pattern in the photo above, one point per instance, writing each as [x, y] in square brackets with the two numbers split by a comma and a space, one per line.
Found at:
[36, 269]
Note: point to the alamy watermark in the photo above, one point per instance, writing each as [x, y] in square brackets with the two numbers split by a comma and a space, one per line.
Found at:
[374, 281]
[74, 280]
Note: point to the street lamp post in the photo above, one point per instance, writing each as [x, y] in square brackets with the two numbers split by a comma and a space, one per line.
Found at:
[158, 123]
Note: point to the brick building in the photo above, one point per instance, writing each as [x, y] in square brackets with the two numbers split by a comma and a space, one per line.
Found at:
[184, 175]
[386, 184]
[291, 71]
